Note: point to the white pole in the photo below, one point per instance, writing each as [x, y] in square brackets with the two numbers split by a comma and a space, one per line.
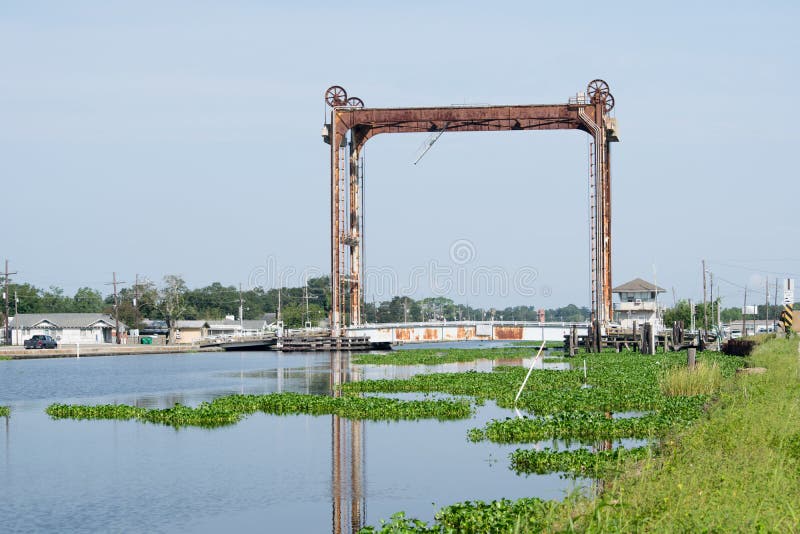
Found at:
[529, 372]
[78, 350]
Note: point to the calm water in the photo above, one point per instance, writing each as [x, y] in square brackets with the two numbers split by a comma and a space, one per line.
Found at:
[264, 474]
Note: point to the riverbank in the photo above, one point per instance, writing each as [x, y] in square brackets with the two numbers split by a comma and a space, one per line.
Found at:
[71, 351]
[737, 468]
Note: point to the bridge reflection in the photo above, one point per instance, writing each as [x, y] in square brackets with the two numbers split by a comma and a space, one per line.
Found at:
[348, 502]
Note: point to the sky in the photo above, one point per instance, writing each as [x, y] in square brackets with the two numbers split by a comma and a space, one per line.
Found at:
[183, 137]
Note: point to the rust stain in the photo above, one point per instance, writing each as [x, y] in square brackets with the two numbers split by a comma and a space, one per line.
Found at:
[430, 334]
[402, 334]
[508, 332]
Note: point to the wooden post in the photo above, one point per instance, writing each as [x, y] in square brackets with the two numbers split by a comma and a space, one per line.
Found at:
[691, 354]
[573, 340]
[651, 331]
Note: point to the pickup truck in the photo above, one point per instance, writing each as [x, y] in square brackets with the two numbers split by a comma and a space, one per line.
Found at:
[41, 342]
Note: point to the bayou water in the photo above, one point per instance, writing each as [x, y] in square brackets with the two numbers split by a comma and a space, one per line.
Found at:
[265, 474]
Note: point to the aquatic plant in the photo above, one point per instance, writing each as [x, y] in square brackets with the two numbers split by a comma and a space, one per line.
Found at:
[577, 462]
[5, 411]
[495, 517]
[591, 426]
[439, 356]
[231, 409]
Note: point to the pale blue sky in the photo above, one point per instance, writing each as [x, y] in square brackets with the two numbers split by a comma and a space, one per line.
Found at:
[183, 137]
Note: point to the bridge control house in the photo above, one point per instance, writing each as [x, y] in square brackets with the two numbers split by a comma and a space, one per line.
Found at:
[638, 303]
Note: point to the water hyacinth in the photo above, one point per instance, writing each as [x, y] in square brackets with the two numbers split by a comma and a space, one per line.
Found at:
[439, 356]
[589, 426]
[231, 409]
[578, 462]
[495, 517]
[5, 411]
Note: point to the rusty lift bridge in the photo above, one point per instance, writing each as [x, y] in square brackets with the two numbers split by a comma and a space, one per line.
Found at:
[352, 125]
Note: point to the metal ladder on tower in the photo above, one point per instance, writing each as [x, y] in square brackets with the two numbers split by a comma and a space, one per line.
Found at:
[593, 220]
[344, 231]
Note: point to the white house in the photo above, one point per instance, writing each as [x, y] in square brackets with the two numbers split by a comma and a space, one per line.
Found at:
[638, 303]
[235, 328]
[66, 328]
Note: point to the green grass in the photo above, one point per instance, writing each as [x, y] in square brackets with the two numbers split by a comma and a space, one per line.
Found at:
[5, 411]
[3, 357]
[704, 379]
[438, 356]
[231, 409]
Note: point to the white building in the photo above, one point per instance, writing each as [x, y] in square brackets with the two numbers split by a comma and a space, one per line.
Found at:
[66, 328]
[638, 302]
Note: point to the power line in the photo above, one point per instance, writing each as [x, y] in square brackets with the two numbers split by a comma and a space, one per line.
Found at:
[756, 270]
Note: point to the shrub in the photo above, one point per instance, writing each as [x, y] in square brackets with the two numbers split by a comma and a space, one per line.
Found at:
[738, 347]
[704, 379]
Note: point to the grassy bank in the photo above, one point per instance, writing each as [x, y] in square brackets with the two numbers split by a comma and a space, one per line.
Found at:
[735, 469]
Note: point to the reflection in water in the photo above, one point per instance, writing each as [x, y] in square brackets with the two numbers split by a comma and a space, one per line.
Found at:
[348, 511]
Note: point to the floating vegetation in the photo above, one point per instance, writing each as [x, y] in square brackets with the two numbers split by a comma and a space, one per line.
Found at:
[522, 515]
[439, 356]
[578, 462]
[537, 344]
[591, 426]
[5, 411]
[231, 409]
[619, 383]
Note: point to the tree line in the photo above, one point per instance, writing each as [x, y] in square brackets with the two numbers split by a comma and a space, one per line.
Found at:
[682, 311]
[172, 300]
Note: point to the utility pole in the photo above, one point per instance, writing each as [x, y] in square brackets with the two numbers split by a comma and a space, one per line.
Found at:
[278, 319]
[711, 297]
[16, 313]
[136, 302]
[705, 312]
[5, 297]
[766, 304]
[744, 316]
[241, 310]
[307, 297]
[776, 298]
[114, 282]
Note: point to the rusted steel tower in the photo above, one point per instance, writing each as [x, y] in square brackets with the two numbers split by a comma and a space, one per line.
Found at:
[352, 125]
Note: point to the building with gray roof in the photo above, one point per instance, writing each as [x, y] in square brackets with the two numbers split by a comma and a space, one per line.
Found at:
[66, 328]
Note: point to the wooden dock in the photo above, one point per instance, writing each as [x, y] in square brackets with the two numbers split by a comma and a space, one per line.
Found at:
[304, 344]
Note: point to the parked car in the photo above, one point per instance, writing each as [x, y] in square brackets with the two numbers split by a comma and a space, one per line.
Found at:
[41, 342]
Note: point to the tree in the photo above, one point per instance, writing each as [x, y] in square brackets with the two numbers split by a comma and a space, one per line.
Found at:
[87, 300]
[682, 311]
[172, 302]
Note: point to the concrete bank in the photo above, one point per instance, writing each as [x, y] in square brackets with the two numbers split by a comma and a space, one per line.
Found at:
[71, 351]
